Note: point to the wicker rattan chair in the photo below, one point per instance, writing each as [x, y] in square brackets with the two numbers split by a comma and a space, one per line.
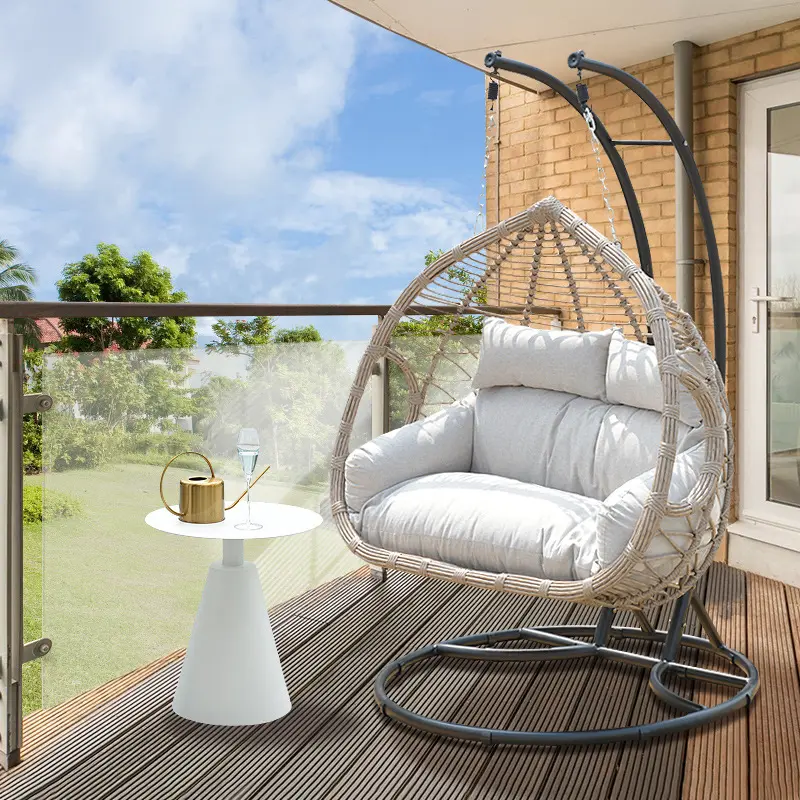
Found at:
[527, 265]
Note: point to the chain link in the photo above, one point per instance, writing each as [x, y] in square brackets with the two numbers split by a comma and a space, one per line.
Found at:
[481, 219]
[601, 173]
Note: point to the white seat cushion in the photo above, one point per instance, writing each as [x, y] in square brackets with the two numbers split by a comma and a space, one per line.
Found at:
[486, 522]
[563, 361]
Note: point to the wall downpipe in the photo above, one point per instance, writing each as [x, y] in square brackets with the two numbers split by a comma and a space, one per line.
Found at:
[684, 198]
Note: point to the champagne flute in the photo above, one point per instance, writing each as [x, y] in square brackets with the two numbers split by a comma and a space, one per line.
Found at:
[247, 447]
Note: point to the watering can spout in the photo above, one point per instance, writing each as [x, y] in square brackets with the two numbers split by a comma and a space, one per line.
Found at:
[244, 493]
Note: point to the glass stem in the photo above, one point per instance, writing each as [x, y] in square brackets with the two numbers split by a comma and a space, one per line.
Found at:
[247, 480]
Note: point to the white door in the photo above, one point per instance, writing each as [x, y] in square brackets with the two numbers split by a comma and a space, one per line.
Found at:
[769, 311]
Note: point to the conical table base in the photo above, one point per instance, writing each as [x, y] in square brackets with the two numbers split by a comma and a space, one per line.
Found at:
[231, 674]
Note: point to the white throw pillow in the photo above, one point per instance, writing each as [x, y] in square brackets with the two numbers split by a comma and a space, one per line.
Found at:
[623, 508]
[564, 361]
[633, 379]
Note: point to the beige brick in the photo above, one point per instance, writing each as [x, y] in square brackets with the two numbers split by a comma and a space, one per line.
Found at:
[784, 26]
[716, 122]
[791, 37]
[555, 154]
[782, 58]
[756, 46]
[732, 70]
[714, 58]
[658, 194]
[721, 105]
[513, 99]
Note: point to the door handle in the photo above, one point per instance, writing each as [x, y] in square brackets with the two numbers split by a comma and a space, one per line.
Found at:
[758, 298]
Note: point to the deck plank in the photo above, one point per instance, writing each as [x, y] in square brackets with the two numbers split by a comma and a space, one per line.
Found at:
[655, 768]
[775, 713]
[793, 604]
[123, 740]
[493, 698]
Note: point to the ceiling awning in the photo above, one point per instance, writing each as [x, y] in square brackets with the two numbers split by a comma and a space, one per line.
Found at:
[622, 32]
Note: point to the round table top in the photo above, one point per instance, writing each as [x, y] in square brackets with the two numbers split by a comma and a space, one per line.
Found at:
[278, 520]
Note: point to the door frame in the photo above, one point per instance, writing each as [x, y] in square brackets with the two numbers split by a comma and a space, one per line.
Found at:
[775, 525]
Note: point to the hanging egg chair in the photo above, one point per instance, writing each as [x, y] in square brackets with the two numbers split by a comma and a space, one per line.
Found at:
[578, 448]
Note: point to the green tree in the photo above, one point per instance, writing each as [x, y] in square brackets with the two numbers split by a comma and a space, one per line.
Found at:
[306, 333]
[241, 335]
[16, 284]
[107, 276]
[16, 279]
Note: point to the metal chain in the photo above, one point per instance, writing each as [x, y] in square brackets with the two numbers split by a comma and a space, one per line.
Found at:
[601, 172]
[481, 218]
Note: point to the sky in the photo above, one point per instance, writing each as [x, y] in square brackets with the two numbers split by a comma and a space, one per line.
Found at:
[263, 151]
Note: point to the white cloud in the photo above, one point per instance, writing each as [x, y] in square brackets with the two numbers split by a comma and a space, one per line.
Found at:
[437, 97]
[197, 129]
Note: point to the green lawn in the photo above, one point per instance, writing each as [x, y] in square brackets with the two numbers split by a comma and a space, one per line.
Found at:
[114, 594]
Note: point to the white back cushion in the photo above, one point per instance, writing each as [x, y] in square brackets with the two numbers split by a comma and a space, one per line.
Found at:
[563, 361]
[562, 441]
[632, 379]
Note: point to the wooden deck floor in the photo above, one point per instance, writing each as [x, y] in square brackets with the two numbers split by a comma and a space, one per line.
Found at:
[122, 741]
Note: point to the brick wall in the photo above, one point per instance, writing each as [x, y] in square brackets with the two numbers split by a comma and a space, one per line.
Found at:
[544, 149]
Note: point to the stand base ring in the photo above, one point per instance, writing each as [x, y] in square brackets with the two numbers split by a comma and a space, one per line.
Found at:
[562, 645]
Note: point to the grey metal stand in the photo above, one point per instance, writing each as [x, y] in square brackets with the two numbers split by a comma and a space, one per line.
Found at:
[565, 642]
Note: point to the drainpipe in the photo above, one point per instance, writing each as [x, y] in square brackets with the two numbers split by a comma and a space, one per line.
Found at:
[684, 198]
[497, 179]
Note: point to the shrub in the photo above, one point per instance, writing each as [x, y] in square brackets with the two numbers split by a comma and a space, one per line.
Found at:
[55, 506]
[32, 443]
[71, 443]
[164, 444]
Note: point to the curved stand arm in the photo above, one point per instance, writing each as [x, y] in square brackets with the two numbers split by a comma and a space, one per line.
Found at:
[579, 61]
[495, 61]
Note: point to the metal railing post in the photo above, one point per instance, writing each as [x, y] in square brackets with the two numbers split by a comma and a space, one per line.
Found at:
[11, 643]
[380, 421]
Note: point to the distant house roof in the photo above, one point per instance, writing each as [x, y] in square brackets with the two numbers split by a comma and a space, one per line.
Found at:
[49, 330]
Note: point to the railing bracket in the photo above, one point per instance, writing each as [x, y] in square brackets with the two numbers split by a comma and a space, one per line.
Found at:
[36, 403]
[36, 649]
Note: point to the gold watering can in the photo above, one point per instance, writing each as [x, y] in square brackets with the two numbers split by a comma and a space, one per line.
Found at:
[202, 499]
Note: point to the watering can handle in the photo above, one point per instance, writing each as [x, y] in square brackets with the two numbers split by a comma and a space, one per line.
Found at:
[164, 472]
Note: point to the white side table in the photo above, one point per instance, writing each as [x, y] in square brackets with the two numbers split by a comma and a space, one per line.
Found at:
[231, 674]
